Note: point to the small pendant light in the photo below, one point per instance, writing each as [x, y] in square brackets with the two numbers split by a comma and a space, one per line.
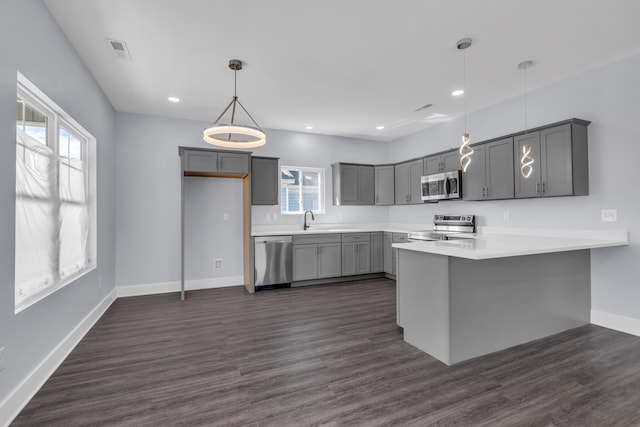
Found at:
[465, 149]
[234, 135]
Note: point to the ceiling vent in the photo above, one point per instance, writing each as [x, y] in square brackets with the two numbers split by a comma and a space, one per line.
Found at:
[119, 49]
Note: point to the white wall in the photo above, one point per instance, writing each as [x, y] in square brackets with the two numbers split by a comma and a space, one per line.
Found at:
[609, 97]
[208, 235]
[148, 192]
[320, 151]
[32, 43]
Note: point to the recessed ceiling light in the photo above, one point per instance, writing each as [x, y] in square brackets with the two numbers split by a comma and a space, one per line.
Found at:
[173, 99]
[379, 127]
[309, 127]
[457, 92]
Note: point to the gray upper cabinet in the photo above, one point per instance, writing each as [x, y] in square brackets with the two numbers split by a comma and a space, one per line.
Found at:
[407, 182]
[352, 184]
[445, 162]
[490, 173]
[264, 180]
[233, 162]
[214, 161]
[366, 185]
[384, 185]
[561, 161]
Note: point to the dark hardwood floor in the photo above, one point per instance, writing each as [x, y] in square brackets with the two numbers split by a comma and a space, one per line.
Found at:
[327, 355]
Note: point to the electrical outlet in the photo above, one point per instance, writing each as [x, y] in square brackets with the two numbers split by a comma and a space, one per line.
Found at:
[268, 216]
[609, 215]
[217, 264]
[274, 216]
[225, 217]
[506, 215]
[1, 358]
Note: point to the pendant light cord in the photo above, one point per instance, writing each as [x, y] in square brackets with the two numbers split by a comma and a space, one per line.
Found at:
[464, 86]
[525, 101]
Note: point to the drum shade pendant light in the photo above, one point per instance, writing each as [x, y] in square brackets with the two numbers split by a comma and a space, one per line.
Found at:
[526, 161]
[232, 134]
[465, 149]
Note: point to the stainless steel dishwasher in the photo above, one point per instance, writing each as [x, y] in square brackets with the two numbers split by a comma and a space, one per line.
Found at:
[273, 260]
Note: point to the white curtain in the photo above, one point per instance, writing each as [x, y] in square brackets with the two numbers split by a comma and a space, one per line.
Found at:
[51, 217]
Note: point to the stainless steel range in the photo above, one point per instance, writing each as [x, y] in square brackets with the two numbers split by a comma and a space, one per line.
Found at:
[446, 227]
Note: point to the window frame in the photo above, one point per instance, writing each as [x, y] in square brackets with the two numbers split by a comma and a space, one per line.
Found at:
[58, 119]
[321, 189]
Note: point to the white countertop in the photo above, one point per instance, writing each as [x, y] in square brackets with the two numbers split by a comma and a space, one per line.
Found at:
[501, 243]
[489, 242]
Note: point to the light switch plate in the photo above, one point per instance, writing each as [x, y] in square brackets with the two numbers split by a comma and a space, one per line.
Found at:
[506, 215]
[609, 215]
[225, 217]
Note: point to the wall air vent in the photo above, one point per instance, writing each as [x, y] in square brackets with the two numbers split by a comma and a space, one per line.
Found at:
[424, 107]
[119, 49]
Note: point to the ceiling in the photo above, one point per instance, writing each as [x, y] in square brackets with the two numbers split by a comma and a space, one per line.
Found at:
[341, 66]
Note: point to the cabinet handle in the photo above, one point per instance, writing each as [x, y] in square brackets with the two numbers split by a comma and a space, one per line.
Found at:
[483, 193]
[487, 192]
[543, 189]
[376, 199]
[537, 188]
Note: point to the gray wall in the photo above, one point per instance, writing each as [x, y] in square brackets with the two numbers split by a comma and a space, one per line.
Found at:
[32, 43]
[607, 96]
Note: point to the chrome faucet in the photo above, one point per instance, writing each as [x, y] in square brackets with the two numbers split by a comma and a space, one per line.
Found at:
[306, 226]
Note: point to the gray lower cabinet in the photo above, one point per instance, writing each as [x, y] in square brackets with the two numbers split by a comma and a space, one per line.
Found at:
[214, 161]
[316, 256]
[353, 184]
[384, 185]
[329, 260]
[407, 182]
[444, 162]
[561, 162]
[356, 253]
[397, 238]
[264, 180]
[490, 173]
[387, 252]
[305, 262]
[377, 252]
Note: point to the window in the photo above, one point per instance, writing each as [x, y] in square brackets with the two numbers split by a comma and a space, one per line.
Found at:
[302, 189]
[55, 203]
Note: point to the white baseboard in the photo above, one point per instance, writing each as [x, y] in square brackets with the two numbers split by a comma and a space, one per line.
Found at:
[189, 285]
[625, 324]
[22, 394]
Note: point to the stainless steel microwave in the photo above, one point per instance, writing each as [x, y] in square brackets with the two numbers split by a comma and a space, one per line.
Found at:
[442, 186]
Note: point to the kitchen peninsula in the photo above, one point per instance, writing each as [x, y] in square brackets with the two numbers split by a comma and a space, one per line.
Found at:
[463, 298]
